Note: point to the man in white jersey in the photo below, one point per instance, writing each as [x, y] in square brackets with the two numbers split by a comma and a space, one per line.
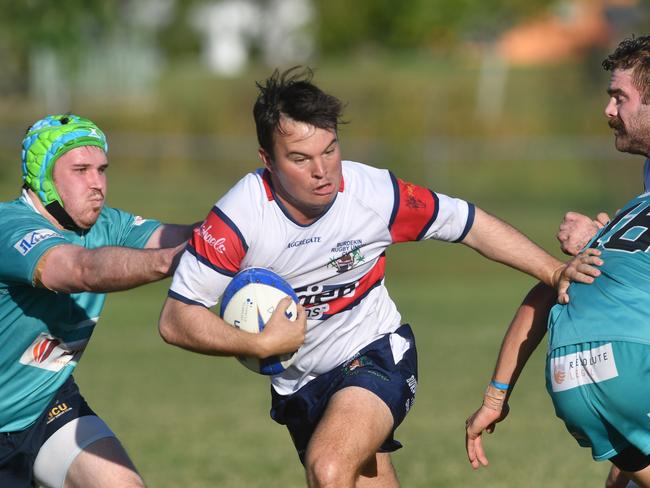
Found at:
[61, 250]
[324, 224]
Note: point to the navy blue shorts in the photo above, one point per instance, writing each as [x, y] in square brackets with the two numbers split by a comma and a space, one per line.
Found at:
[372, 368]
[18, 450]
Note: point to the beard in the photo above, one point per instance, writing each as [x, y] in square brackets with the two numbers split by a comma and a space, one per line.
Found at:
[633, 141]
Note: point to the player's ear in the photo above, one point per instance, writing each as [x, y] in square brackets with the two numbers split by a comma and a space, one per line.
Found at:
[265, 158]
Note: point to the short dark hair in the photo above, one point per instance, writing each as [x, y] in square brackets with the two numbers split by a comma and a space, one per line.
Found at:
[293, 95]
[633, 53]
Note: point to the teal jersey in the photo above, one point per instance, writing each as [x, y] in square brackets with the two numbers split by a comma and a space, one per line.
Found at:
[616, 306]
[42, 333]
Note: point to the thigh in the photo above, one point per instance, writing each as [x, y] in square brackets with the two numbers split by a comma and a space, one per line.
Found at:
[355, 424]
[387, 368]
[65, 450]
[103, 464]
[79, 449]
[19, 450]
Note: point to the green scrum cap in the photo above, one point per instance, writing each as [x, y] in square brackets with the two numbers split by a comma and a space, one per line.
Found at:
[46, 141]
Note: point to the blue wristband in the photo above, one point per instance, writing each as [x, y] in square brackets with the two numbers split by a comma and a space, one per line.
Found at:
[500, 386]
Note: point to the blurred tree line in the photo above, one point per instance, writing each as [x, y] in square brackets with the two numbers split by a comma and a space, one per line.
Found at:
[340, 28]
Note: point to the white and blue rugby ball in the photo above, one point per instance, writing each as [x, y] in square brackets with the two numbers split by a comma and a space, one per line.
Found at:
[248, 302]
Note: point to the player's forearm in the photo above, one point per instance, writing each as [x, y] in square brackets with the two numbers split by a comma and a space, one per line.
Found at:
[197, 329]
[72, 269]
[499, 241]
[524, 334]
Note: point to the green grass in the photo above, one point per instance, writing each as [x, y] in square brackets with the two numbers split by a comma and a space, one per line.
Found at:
[189, 420]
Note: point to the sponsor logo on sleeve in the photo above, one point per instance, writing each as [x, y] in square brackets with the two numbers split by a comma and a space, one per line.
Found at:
[412, 201]
[31, 239]
[218, 244]
[583, 368]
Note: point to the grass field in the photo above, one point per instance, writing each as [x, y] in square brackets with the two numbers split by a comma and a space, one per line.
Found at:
[195, 421]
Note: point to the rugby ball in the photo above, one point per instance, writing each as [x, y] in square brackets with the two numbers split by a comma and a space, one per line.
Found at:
[248, 302]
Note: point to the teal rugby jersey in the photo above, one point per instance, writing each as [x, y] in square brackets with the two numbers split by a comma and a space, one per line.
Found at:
[42, 333]
[617, 305]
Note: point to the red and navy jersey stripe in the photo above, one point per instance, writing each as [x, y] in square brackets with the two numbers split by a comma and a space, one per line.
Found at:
[415, 208]
[218, 243]
[347, 301]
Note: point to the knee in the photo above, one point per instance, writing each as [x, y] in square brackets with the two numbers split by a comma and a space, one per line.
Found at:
[326, 470]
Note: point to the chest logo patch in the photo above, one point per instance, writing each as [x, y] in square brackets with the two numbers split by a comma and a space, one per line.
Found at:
[350, 258]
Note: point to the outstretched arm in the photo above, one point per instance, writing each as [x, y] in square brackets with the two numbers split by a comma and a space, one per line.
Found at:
[72, 269]
[524, 334]
[499, 241]
[522, 337]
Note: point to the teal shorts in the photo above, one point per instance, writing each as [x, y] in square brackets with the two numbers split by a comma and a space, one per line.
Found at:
[601, 390]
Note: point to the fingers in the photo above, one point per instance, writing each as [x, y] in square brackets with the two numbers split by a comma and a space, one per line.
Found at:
[582, 269]
[576, 230]
[585, 268]
[284, 333]
[283, 305]
[602, 219]
[482, 419]
[475, 453]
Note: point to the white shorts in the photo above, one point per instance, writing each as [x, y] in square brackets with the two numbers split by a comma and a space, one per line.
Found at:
[57, 453]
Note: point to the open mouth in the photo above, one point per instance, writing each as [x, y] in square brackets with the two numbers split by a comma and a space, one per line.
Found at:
[324, 189]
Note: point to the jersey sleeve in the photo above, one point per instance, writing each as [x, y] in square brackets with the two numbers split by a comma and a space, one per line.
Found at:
[215, 251]
[129, 230]
[22, 244]
[419, 213]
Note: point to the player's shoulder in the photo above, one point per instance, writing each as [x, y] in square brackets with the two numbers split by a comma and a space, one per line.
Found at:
[19, 213]
[369, 188]
[367, 182]
[360, 173]
[24, 228]
[245, 195]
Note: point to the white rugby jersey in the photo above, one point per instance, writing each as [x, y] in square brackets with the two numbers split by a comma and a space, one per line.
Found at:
[335, 264]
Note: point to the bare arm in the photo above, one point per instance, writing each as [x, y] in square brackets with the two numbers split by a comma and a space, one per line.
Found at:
[524, 334]
[72, 269]
[197, 329]
[498, 241]
[170, 235]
